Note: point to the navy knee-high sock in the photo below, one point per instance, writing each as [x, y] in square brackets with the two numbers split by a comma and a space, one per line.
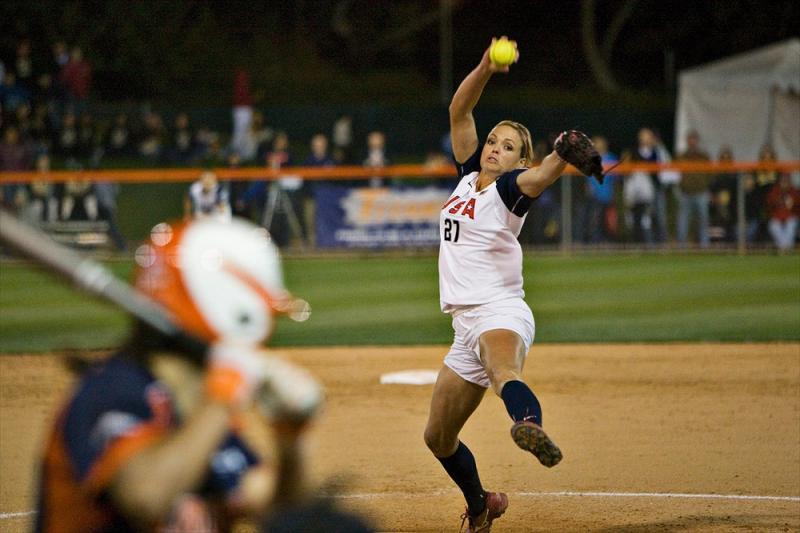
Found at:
[462, 469]
[521, 403]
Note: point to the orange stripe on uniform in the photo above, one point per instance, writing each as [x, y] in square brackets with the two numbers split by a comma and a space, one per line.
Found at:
[120, 451]
[67, 507]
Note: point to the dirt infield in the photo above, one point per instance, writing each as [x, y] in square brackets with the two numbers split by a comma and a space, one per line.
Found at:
[655, 438]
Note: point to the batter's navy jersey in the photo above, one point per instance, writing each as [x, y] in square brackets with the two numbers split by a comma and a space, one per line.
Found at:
[480, 259]
[117, 409]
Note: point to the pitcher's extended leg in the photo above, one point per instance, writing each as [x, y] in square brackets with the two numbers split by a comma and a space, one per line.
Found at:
[503, 355]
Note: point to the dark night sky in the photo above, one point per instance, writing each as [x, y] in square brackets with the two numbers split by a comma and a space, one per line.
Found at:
[549, 32]
[127, 42]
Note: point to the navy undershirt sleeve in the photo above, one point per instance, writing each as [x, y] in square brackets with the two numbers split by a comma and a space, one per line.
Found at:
[472, 164]
[513, 198]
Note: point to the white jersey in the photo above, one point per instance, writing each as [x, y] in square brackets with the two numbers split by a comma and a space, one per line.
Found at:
[213, 203]
[480, 258]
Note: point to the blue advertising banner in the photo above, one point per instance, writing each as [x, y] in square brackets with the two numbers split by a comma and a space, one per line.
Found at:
[377, 217]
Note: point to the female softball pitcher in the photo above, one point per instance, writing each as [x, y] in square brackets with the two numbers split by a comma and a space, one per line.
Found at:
[149, 439]
[480, 284]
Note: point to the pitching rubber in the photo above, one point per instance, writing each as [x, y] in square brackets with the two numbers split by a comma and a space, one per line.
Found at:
[532, 438]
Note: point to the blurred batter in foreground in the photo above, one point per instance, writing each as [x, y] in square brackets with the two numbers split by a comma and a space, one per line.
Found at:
[149, 439]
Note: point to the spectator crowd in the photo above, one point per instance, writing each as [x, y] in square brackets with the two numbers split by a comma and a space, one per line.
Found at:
[47, 117]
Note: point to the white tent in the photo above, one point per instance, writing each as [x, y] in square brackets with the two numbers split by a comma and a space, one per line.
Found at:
[744, 101]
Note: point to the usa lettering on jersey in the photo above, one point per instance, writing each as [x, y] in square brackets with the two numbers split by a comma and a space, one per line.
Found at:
[466, 207]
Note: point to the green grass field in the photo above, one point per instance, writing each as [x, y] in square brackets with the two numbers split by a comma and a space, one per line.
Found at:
[388, 300]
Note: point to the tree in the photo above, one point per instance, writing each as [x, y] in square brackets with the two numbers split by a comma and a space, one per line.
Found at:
[598, 55]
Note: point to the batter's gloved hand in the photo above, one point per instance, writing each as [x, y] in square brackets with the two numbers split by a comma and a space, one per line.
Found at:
[577, 149]
[289, 396]
[239, 374]
[234, 373]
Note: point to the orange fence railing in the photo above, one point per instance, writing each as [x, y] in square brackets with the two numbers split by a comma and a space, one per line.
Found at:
[357, 172]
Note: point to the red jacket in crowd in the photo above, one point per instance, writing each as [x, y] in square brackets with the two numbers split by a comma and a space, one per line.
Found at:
[783, 201]
[241, 89]
[77, 78]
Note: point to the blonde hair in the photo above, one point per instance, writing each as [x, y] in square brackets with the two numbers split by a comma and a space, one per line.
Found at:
[526, 150]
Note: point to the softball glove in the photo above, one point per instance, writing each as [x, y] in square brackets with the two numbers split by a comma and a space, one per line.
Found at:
[577, 149]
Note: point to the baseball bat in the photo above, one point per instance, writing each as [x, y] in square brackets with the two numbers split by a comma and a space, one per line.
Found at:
[294, 391]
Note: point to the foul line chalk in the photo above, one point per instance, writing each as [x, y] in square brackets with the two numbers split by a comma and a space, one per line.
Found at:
[661, 495]
[568, 494]
[563, 494]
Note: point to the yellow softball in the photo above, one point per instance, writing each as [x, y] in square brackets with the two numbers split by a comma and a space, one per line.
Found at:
[503, 52]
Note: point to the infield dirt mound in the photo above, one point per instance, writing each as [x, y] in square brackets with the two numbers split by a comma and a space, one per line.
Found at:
[641, 426]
